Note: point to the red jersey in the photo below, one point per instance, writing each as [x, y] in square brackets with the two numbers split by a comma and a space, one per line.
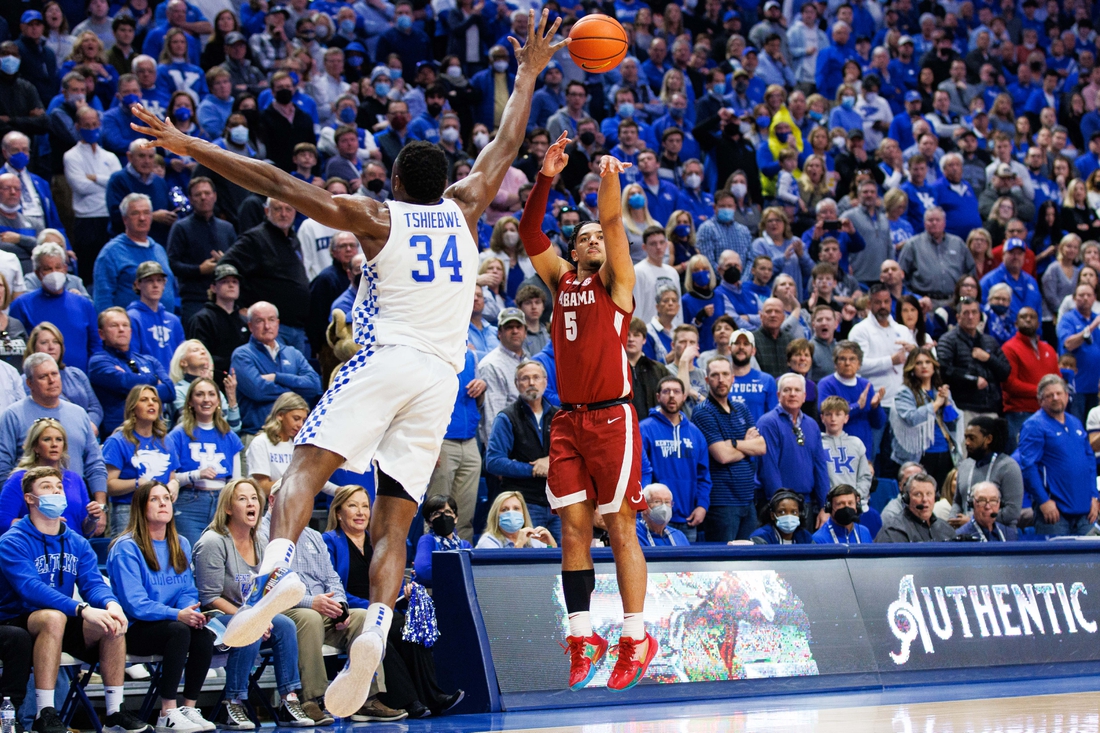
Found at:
[589, 335]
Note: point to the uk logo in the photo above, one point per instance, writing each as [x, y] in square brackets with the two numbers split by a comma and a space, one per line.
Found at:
[843, 462]
[206, 455]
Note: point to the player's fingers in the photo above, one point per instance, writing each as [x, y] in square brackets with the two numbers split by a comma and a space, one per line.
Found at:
[542, 22]
[531, 28]
[554, 27]
[561, 44]
[515, 43]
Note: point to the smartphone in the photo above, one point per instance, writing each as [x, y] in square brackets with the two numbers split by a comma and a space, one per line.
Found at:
[831, 226]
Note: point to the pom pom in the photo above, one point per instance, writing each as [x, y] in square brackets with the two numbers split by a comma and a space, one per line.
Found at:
[420, 625]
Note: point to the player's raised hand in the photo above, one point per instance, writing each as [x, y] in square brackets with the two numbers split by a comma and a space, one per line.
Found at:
[540, 48]
[164, 135]
[555, 160]
[609, 164]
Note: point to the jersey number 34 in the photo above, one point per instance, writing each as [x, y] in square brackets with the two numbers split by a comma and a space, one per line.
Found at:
[448, 260]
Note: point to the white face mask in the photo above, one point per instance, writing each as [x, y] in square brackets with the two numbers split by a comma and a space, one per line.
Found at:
[500, 66]
[739, 189]
[511, 239]
[693, 180]
[840, 142]
[54, 281]
[449, 135]
[481, 139]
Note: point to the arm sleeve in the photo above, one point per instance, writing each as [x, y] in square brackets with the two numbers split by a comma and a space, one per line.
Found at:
[11, 503]
[95, 471]
[95, 410]
[21, 573]
[249, 382]
[863, 475]
[702, 475]
[534, 239]
[1012, 494]
[177, 245]
[305, 381]
[770, 477]
[998, 362]
[9, 443]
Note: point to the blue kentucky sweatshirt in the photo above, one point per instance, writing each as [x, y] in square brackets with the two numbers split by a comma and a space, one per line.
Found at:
[679, 458]
[155, 333]
[116, 267]
[40, 571]
[151, 595]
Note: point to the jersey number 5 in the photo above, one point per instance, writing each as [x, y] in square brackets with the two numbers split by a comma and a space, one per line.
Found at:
[571, 325]
[447, 261]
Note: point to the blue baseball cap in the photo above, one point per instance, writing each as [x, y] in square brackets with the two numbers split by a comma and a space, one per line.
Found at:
[30, 16]
[913, 96]
[731, 15]
[553, 65]
[355, 47]
[1014, 243]
[750, 49]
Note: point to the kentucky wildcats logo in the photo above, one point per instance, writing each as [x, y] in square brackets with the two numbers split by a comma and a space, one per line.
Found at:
[207, 456]
[161, 334]
[150, 464]
[842, 462]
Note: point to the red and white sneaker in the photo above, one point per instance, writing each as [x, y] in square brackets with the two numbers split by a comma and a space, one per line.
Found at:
[628, 670]
[585, 653]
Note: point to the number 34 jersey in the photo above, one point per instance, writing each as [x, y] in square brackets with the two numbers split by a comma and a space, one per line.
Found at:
[589, 333]
[418, 291]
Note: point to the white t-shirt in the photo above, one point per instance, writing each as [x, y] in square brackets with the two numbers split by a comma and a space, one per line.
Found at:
[269, 460]
[1092, 423]
[647, 278]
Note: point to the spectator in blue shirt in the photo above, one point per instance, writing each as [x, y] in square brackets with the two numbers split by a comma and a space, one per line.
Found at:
[1088, 162]
[116, 264]
[117, 369]
[842, 527]
[156, 331]
[1075, 336]
[1058, 464]
[406, 40]
[783, 524]
[905, 67]
[830, 61]
[1025, 289]
[117, 133]
[652, 525]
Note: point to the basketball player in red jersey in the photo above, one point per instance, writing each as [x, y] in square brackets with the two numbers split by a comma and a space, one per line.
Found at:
[595, 447]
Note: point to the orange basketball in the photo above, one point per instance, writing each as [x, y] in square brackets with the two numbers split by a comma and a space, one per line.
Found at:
[599, 43]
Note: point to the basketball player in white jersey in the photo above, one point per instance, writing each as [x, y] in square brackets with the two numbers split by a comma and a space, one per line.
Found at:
[391, 403]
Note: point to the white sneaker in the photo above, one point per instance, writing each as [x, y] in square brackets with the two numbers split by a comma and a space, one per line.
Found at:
[176, 722]
[195, 716]
[272, 594]
[347, 693]
[138, 672]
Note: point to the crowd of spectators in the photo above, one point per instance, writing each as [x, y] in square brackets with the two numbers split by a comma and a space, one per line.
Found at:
[866, 239]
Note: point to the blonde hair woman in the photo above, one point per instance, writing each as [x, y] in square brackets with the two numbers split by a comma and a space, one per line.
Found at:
[680, 232]
[636, 219]
[269, 452]
[1077, 217]
[88, 51]
[815, 185]
[505, 245]
[509, 525]
[192, 360]
[490, 276]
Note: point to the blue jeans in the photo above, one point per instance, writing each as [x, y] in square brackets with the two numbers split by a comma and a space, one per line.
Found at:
[284, 641]
[118, 518]
[541, 516]
[727, 523]
[295, 337]
[1068, 525]
[1016, 422]
[194, 512]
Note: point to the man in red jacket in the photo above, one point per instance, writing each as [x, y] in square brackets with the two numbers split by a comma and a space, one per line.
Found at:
[1031, 359]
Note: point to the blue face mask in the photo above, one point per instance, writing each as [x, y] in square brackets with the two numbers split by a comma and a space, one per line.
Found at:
[626, 110]
[183, 114]
[355, 61]
[676, 112]
[591, 199]
[999, 309]
[788, 523]
[52, 506]
[719, 89]
[238, 134]
[381, 88]
[683, 231]
[782, 136]
[700, 279]
[567, 230]
[347, 26]
[19, 161]
[91, 136]
[725, 216]
[395, 74]
[130, 99]
[403, 22]
[511, 521]
[347, 114]
[763, 122]
[10, 64]
[636, 201]
[847, 102]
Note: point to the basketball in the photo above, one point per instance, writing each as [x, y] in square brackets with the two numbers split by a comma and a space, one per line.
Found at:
[599, 43]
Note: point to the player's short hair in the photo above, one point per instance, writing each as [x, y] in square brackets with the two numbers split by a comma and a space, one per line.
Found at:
[429, 163]
[835, 404]
[529, 292]
[577, 231]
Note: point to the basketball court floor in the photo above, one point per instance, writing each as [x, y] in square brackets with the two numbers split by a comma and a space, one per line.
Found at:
[1040, 706]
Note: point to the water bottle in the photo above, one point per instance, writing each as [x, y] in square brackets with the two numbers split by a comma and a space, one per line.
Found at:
[7, 716]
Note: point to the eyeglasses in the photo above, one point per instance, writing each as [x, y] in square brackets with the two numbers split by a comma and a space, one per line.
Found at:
[133, 366]
[798, 435]
[967, 300]
[987, 502]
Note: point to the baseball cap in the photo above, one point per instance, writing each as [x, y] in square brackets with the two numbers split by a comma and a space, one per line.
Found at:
[421, 64]
[770, 4]
[1014, 243]
[225, 270]
[355, 47]
[904, 40]
[1095, 134]
[279, 9]
[234, 37]
[30, 16]
[730, 15]
[968, 133]
[856, 133]
[553, 65]
[148, 269]
[742, 332]
[1004, 170]
[740, 72]
[750, 49]
[378, 71]
[913, 96]
[509, 315]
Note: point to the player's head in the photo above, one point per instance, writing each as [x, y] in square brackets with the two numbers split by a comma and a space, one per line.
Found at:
[587, 245]
[427, 178]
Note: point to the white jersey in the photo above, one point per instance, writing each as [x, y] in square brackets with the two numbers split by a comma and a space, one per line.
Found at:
[418, 291]
[314, 241]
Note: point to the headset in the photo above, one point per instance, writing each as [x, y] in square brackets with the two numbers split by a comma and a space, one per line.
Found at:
[783, 494]
[924, 478]
[843, 490]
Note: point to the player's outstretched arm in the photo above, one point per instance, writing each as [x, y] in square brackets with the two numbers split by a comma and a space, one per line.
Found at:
[358, 215]
[618, 271]
[475, 192]
[537, 245]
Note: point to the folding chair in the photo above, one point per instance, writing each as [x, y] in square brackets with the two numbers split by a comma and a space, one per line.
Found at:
[149, 702]
[78, 696]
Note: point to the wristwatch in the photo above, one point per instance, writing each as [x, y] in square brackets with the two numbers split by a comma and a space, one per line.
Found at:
[80, 610]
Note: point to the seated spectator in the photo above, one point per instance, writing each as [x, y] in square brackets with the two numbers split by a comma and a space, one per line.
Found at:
[782, 521]
[676, 450]
[509, 525]
[1058, 465]
[653, 524]
[265, 368]
[916, 522]
[116, 264]
[39, 599]
[117, 369]
[440, 512]
[984, 527]
[923, 417]
[46, 338]
[349, 547]
[153, 564]
[18, 235]
[157, 332]
[191, 361]
[269, 453]
[44, 384]
[846, 455]
[195, 244]
[842, 526]
[47, 445]
[219, 325]
[207, 455]
[73, 315]
[228, 551]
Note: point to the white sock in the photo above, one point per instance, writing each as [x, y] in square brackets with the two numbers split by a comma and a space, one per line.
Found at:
[279, 554]
[43, 699]
[112, 696]
[633, 626]
[379, 617]
[580, 624]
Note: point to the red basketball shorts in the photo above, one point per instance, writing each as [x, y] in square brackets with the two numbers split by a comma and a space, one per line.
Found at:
[596, 455]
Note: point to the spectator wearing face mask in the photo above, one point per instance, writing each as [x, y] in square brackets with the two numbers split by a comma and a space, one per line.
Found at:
[842, 527]
[653, 523]
[782, 522]
[509, 526]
